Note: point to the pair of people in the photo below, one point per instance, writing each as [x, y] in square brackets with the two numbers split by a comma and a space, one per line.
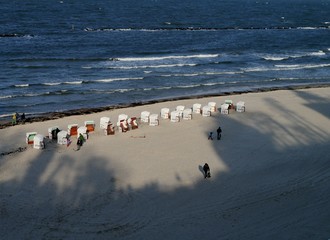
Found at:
[219, 131]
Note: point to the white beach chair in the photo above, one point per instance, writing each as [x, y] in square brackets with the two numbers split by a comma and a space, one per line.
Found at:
[62, 137]
[180, 109]
[38, 142]
[132, 123]
[83, 131]
[51, 132]
[230, 103]
[206, 111]
[165, 113]
[175, 116]
[145, 116]
[225, 108]
[153, 120]
[240, 106]
[187, 114]
[197, 108]
[104, 122]
[122, 123]
[212, 106]
[29, 137]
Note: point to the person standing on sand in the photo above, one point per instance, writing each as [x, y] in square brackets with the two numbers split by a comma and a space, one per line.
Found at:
[206, 169]
[219, 130]
[14, 119]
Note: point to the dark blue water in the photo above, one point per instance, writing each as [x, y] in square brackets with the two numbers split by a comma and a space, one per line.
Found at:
[62, 55]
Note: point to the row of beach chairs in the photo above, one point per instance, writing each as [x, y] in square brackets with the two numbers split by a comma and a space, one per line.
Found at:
[126, 123]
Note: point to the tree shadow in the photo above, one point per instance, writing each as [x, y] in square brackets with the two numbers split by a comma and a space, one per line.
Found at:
[281, 195]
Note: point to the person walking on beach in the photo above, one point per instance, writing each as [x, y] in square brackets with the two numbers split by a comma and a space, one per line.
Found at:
[14, 119]
[206, 169]
[80, 141]
[210, 137]
[219, 130]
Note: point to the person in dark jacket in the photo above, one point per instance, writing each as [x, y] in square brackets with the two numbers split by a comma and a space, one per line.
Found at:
[206, 169]
[219, 131]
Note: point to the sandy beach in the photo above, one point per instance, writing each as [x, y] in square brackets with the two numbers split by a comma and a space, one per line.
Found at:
[270, 174]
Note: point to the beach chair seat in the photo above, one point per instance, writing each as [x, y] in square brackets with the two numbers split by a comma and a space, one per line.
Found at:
[52, 132]
[29, 137]
[206, 111]
[153, 120]
[132, 122]
[213, 106]
[145, 116]
[84, 131]
[63, 137]
[175, 116]
[165, 113]
[224, 108]
[90, 125]
[240, 106]
[73, 129]
[230, 103]
[123, 126]
[38, 142]
[187, 114]
[110, 130]
[197, 108]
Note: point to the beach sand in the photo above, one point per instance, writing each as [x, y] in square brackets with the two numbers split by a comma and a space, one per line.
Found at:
[270, 175]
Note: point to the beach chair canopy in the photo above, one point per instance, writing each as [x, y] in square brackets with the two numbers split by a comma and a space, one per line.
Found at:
[90, 124]
[83, 130]
[122, 117]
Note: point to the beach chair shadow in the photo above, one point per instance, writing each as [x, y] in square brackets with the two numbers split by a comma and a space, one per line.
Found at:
[201, 169]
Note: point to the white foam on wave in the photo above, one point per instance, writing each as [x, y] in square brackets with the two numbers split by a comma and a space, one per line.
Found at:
[117, 79]
[74, 82]
[51, 84]
[153, 66]
[130, 59]
[22, 85]
[301, 66]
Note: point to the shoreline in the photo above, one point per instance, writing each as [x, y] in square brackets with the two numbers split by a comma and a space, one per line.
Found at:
[6, 122]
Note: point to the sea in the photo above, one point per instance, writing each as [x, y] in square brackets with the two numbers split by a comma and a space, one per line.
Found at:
[59, 56]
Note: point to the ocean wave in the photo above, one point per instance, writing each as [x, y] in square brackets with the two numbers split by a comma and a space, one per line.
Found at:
[280, 57]
[130, 59]
[301, 66]
[15, 35]
[87, 29]
[151, 66]
[116, 79]
[21, 85]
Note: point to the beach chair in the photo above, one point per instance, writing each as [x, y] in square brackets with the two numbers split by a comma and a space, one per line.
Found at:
[132, 123]
[197, 108]
[122, 123]
[84, 131]
[175, 116]
[180, 109]
[38, 142]
[29, 137]
[73, 129]
[110, 130]
[90, 125]
[145, 116]
[187, 114]
[153, 120]
[230, 103]
[206, 111]
[240, 106]
[63, 138]
[165, 113]
[224, 108]
[212, 106]
[104, 122]
[52, 132]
